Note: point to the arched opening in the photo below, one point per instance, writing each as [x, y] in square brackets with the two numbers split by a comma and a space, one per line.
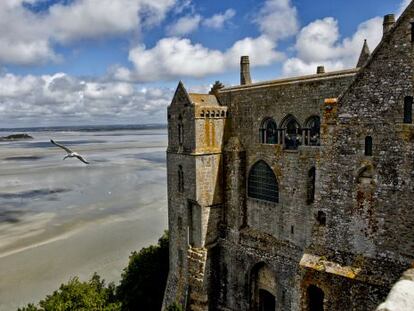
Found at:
[408, 109]
[262, 183]
[293, 133]
[312, 131]
[311, 185]
[315, 298]
[368, 146]
[263, 286]
[268, 132]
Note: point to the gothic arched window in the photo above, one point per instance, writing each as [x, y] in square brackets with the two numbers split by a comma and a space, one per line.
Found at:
[313, 131]
[293, 133]
[408, 109]
[268, 132]
[262, 183]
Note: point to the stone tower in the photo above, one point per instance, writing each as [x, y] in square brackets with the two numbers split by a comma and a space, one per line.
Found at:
[194, 160]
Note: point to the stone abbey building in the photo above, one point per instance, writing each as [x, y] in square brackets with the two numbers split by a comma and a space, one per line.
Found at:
[295, 194]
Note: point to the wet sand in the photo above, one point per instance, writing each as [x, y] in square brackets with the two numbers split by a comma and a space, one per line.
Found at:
[60, 219]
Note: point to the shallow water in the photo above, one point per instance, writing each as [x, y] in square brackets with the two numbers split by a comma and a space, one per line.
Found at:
[60, 218]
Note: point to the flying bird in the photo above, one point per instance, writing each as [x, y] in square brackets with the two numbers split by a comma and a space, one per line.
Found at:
[71, 154]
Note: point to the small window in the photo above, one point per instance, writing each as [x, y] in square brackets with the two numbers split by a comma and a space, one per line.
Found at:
[180, 130]
[315, 298]
[321, 218]
[412, 31]
[368, 146]
[262, 183]
[180, 179]
[408, 109]
[311, 185]
[268, 132]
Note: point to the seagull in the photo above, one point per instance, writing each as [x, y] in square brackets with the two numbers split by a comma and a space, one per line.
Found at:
[71, 154]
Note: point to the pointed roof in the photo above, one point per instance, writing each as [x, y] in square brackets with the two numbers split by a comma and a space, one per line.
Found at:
[364, 56]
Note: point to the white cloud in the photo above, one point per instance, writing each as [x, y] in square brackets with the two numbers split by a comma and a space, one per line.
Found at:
[217, 21]
[28, 37]
[319, 44]
[63, 99]
[278, 19]
[174, 57]
[403, 6]
[184, 25]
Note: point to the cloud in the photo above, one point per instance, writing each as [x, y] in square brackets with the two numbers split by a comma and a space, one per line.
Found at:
[63, 99]
[278, 19]
[403, 6]
[184, 25]
[175, 57]
[319, 44]
[28, 37]
[217, 21]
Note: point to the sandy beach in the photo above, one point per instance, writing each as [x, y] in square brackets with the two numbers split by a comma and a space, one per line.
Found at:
[60, 219]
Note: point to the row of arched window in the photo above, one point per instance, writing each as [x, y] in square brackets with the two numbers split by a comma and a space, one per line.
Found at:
[290, 134]
[213, 113]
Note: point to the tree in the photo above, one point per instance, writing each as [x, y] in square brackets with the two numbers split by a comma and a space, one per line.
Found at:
[76, 295]
[141, 288]
[143, 280]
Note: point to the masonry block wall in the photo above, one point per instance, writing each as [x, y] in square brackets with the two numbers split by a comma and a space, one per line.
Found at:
[295, 193]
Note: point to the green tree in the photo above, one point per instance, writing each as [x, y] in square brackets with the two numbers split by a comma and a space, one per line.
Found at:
[80, 296]
[143, 281]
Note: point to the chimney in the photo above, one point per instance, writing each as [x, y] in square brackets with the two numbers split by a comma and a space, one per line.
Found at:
[320, 70]
[389, 21]
[245, 71]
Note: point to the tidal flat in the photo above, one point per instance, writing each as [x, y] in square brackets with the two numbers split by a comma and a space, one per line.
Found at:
[60, 219]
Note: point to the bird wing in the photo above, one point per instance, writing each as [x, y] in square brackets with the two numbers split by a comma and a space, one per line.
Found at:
[82, 159]
[61, 146]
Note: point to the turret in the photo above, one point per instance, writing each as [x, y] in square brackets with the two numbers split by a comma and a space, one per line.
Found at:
[365, 54]
[245, 70]
[195, 196]
[389, 21]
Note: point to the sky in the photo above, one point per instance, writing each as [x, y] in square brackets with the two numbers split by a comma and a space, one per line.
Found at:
[92, 62]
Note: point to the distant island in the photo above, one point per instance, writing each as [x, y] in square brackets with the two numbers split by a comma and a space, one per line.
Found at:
[16, 137]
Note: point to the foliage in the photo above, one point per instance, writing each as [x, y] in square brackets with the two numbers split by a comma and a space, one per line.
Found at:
[76, 295]
[141, 287]
[175, 307]
[143, 281]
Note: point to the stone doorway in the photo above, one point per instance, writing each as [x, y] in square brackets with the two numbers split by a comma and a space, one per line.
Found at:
[267, 301]
[263, 285]
[315, 298]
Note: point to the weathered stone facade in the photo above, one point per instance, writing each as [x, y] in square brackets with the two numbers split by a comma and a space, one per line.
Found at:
[295, 194]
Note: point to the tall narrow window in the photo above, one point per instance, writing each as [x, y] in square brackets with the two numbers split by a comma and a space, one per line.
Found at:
[412, 32]
[180, 130]
[315, 298]
[262, 183]
[368, 146]
[293, 133]
[408, 109]
[268, 132]
[311, 185]
[180, 179]
[313, 131]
